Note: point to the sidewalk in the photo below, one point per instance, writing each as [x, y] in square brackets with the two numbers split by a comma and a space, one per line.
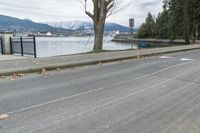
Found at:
[28, 65]
[11, 57]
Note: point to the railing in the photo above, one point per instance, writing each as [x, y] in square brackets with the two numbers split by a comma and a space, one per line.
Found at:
[1, 45]
[23, 46]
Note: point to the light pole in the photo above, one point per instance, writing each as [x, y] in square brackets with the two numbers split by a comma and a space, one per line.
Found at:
[131, 25]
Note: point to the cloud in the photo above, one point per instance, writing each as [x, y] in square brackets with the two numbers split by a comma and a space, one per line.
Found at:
[63, 10]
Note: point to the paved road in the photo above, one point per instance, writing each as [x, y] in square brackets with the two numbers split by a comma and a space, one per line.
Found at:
[153, 95]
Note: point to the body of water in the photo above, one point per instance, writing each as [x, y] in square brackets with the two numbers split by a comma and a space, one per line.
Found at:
[54, 46]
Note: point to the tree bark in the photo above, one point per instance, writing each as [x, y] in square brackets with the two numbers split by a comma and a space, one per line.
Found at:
[186, 22]
[98, 42]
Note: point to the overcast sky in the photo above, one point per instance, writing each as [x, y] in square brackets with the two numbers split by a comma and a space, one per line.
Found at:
[64, 10]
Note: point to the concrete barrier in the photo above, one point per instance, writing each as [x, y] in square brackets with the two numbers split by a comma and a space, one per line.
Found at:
[6, 41]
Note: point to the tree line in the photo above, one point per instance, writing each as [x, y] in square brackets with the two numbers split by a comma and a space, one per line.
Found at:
[180, 19]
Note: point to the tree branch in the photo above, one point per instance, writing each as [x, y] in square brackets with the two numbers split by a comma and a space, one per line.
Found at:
[109, 1]
[89, 14]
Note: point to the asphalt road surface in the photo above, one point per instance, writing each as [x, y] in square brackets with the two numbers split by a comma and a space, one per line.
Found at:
[152, 95]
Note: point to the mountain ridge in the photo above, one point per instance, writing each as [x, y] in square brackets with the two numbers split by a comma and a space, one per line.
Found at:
[87, 25]
[8, 23]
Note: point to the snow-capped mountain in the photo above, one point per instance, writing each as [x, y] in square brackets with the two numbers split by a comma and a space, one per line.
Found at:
[72, 25]
[83, 25]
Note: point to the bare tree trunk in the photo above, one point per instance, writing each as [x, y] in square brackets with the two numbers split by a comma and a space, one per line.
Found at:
[186, 22]
[99, 30]
[101, 9]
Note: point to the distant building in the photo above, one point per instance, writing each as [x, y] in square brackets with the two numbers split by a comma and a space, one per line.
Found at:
[44, 34]
[49, 34]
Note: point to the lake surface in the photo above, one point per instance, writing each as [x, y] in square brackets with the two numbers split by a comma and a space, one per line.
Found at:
[54, 46]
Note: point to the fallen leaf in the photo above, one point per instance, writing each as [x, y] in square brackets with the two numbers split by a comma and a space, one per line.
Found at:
[4, 116]
[58, 69]
[100, 63]
[14, 74]
[12, 78]
[3, 77]
[35, 62]
[44, 72]
[20, 75]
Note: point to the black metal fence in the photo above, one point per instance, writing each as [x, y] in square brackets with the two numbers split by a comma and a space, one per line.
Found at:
[1, 45]
[23, 46]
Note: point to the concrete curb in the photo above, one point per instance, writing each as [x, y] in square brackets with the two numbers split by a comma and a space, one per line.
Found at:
[83, 63]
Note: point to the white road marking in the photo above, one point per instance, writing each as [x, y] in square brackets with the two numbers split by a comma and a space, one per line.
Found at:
[166, 57]
[186, 59]
[170, 67]
[91, 91]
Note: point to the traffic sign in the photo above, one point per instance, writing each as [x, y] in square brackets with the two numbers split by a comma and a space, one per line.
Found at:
[131, 23]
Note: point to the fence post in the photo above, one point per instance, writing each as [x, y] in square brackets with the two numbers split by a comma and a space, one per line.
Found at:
[22, 48]
[11, 46]
[1, 45]
[34, 45]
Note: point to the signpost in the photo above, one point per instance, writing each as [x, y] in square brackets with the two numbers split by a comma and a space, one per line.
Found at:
[131, 25]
